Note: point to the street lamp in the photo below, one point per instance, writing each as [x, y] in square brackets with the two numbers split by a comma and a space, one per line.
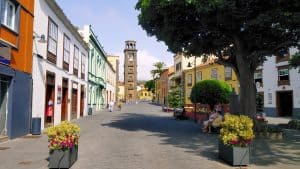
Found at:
[195, 66]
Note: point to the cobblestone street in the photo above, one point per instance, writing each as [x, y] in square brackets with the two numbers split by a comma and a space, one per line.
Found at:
[141, 136]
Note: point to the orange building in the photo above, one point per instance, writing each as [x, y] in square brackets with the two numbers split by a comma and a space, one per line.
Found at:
[16, 39]
[163, 87]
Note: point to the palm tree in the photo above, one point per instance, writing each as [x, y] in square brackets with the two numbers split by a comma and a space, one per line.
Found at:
[159, 66]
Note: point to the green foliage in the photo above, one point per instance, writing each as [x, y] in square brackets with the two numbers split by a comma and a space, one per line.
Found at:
[150, 85]
[241, 33]
[294, 124]
[210, 92]
[175, 99]
[159, 66]
[295, 61]
[259, 102]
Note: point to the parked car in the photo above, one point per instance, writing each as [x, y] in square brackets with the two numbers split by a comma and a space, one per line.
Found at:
[179, 113]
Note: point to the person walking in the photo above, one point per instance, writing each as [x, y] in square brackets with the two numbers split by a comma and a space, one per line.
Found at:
[111, 106]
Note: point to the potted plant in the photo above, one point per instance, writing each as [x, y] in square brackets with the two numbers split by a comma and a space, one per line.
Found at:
[236, 135]
[63, 144]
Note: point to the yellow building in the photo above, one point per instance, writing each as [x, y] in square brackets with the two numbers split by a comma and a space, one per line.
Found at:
[121, 91]
[206, 71]
[144, 94]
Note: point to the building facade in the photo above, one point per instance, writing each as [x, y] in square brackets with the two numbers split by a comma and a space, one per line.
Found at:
[144, 94]
[206, 71]
[110, 93]
[114, 60]
[59, 67]
[279, 86]
[130, 71]
[16, 30]
[181, 63]
[163, 85]
[121, 92]
[96, 69]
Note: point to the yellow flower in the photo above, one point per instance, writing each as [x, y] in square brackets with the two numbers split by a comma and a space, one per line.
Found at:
[236, 130]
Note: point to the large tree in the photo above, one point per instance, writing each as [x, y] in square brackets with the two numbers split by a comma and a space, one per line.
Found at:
[241, 33]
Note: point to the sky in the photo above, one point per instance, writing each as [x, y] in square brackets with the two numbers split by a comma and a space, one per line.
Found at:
[114, 22]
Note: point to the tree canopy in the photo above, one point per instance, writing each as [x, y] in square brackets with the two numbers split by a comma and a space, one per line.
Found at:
[174, 98]
[150, 85]
[295, 61]
[210, 92]
[241, 33]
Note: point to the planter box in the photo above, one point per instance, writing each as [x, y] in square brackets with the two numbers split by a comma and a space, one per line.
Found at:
[63, 159]
[235, 156]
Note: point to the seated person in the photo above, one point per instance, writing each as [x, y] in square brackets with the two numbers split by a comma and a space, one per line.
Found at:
[213, 115]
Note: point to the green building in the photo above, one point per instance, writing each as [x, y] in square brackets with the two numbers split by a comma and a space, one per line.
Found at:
[96, 73]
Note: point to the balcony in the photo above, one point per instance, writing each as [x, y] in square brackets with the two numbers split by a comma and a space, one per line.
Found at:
[283, 82]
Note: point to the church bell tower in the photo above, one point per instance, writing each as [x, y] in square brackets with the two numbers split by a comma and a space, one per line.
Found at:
[130, 71]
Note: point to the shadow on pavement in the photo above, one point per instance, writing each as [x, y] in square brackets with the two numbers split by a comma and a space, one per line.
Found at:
[182, 134]
[187, 135]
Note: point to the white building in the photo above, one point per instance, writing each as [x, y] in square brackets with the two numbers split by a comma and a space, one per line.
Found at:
[59, 69]
[279, 86]
[111, 83]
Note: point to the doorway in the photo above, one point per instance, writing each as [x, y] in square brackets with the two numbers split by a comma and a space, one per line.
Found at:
[284, 103]
[81, 100]
[64, 103]
[74, 100]
[49, 100]
[4, 85]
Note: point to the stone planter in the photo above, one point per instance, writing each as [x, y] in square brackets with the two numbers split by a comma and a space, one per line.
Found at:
[63, 159]
[235, 156]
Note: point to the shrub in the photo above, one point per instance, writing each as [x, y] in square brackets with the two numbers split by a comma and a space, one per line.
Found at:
[63, 136]
[237, 130]
[211, 92]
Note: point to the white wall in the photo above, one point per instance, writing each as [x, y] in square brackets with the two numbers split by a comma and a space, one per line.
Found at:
[270, 78]
[41, 65]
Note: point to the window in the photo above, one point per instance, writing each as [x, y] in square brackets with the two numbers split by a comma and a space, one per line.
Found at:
[258, 78]
[198, 76]
[228, 73]
[82, 66]
[52, 41]
[283, 76]
[214, 73]
[189, 80]
[178, 67]
[66, 53]
[10, 14]
[76, 60]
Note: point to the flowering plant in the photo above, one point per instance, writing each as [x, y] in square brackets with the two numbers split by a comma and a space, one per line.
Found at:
[63, 136]
[237, 130]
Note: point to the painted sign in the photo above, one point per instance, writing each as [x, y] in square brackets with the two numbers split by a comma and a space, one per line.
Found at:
[5, 55]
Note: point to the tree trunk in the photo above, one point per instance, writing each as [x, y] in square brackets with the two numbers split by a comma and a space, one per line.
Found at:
[246, 80]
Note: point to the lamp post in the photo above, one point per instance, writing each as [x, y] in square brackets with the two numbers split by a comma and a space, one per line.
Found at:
[195, 69]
